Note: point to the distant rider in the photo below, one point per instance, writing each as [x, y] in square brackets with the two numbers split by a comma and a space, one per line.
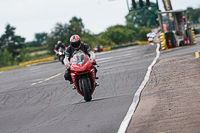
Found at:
[76, 45]
[98, 48]
[59, 44]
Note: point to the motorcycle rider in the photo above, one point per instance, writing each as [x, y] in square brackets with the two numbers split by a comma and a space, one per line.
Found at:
[59, 44]
[76, 45]
[98, 48]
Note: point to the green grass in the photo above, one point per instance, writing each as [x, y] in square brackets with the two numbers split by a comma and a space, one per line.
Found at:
[35, 49]
[10, 68]
[38, 53]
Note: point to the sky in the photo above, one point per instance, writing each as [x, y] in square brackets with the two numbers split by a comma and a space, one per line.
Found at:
[37, 16]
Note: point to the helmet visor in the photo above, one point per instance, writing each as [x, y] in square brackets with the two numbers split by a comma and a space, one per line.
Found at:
[75, 44]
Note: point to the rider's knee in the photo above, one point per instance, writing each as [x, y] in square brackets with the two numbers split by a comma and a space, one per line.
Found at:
[67, 75]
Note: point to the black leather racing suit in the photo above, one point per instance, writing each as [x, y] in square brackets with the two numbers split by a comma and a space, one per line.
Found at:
[60, 45]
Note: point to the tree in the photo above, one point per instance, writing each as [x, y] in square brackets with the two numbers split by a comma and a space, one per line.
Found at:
[141, 17]
[76, 26]
[143, 34]
[10, 41]
[118, 34]
[59, 33]
[23, 56]
[89, 38]
[193, 14]
[5, 58]
[63, 32]
[40, 39]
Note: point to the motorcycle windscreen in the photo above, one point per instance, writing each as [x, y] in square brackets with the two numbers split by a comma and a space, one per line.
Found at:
[79, 58]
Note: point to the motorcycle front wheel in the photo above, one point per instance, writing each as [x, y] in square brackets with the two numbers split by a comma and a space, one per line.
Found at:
[86, 91]
[61, 58]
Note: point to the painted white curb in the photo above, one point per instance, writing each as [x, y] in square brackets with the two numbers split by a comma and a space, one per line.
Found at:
[136, 98]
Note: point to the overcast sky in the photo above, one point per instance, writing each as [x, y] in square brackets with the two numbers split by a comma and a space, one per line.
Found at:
[36, 16]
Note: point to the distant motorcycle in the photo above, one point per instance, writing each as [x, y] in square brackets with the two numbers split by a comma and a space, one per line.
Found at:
[98, 49]
[61, 54]
[83, 75]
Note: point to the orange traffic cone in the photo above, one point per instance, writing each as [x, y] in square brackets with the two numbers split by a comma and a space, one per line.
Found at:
[169, 42]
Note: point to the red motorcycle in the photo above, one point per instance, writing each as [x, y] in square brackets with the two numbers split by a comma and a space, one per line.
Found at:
[83, 75]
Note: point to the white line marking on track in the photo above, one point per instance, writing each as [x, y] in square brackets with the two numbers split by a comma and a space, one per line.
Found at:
[46, 79]
[125, 122]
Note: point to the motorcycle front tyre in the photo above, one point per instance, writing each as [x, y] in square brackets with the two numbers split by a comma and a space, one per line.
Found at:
[62, 59]
[86, 92]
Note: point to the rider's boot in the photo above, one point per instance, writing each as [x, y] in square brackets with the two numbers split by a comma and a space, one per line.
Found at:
[71, 82]
[73, 88]
[96, 84]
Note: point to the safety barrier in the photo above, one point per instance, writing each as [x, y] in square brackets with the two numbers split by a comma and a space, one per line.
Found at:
[37, 61]
[197, 54]
[143, 42]
[107, 49]
[193, 35]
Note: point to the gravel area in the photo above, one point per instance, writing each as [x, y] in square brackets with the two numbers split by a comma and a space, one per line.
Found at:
[170, 101]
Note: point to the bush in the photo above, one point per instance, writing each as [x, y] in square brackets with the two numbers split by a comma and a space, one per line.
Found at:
[23, 56]
[143, 34]
[119, 34]
[5, 58]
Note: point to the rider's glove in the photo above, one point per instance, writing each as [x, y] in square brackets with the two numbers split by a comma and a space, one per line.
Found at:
[94, 62]
[68, 67]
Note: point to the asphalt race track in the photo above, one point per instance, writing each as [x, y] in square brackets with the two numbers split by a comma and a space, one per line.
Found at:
[37, 99]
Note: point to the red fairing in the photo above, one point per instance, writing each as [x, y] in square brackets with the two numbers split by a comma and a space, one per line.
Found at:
[80, 69]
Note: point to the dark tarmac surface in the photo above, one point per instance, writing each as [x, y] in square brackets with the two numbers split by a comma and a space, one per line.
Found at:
[37, 99]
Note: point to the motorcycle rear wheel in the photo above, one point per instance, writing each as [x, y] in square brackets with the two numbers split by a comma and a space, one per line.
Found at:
[85, 88]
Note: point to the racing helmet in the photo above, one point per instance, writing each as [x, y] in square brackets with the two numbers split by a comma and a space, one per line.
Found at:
[59, 43]
[75, 41]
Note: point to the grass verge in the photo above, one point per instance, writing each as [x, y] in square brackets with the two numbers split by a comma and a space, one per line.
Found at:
[10, 68]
